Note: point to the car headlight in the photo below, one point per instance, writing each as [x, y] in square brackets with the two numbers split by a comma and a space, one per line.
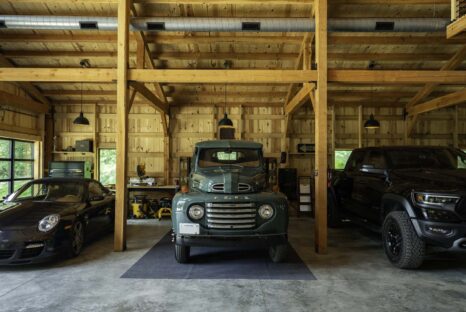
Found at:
[48, 223]
[196, 212]
[266, 211]
[435, 200]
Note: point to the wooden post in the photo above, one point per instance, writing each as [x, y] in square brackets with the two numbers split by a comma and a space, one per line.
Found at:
[321, 157]
[122, 126]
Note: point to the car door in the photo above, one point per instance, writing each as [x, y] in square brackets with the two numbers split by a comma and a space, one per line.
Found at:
[100, 207]
[346, 186]
[373, 184]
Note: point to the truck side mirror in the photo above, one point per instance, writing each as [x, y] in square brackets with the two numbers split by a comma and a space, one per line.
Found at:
[368, 168]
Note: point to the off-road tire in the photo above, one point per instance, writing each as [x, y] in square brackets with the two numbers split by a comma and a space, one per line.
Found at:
[278, 253]
[409, 254]
[182, 253]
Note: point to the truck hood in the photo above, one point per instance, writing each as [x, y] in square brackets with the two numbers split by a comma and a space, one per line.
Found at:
[20, 215]
[431, 180]
[229, 181]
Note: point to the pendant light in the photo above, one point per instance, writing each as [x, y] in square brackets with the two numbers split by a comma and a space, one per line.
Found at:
[81, 120]
[225, 121]
[372, 123]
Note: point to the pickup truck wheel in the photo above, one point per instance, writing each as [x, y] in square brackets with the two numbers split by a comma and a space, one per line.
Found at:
[182, 253]
[403, 247]
[333, 216]
[278, 253]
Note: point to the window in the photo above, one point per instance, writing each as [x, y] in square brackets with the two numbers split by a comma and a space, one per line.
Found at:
[241, 157]
[376, 159]
[355, 161]
[341, 157]
[16, 165]
[107, 166]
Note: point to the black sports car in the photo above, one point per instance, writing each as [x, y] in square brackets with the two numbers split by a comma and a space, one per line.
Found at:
[53, 216]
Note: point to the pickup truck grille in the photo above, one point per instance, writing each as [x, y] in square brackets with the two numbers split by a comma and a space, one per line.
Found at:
[461, 209]
[230, 216]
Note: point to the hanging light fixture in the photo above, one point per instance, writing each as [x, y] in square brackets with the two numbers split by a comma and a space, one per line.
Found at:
[372, 123]
[225, 121]
[81, 120]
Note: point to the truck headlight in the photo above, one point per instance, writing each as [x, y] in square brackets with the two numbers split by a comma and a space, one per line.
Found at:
[196, 212]
[435, 200]
[49, 222]
[266, 211]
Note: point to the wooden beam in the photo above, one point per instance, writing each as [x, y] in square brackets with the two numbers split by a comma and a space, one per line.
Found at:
[299, 99]
[154, 101]
[244, 76]
[321, 133]
[251, 2]
[438, 103]
[122, 126]
[29, 88]
[58, 74]
[22, 103]
[222, 76]
[397, 76]
[457, 27]
[453, 63]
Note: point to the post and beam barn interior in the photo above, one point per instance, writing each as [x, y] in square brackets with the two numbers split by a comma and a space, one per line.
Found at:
[281, 155]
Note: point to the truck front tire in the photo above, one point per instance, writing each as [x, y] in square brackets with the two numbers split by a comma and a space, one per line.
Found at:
[402, 246]
[278, 253]
[182, 253]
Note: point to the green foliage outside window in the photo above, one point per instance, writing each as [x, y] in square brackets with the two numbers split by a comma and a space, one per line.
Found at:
[341, 157]
[107, 166]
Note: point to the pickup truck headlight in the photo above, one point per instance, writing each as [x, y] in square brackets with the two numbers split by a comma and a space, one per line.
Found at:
[435, 200]
[266, 211]
[49, 222]
[196, 212]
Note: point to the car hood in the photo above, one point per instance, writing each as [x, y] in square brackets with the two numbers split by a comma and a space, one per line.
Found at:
[434, 180]
[28, 213]
[229, 178]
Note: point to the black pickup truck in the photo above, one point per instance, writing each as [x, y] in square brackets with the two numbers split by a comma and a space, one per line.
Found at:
[414, 196]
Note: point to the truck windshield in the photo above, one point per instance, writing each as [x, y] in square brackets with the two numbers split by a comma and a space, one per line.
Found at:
[214, 157]
[427, 158]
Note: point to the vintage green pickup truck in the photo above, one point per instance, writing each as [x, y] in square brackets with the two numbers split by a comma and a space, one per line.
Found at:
[228, 202]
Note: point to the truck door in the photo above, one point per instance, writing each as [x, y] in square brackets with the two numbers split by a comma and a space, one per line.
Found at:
[347, 186]
[373, 184]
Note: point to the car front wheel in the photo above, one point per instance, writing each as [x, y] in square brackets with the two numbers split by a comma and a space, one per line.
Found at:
[278, 253]
[403, 247]
[182, 253]
[76, 240]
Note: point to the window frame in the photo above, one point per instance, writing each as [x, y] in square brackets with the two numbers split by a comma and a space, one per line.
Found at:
[12, 160]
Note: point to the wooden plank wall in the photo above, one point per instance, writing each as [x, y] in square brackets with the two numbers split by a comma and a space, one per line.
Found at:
[189, 125]
[14, 121]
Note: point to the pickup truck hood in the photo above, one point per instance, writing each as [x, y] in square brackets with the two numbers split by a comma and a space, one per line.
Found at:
[15, 216]
[435, 180]
[229, 181]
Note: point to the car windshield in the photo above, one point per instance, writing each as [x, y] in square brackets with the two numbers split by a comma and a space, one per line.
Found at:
[64, 192]
[242, 157]
[427, 159]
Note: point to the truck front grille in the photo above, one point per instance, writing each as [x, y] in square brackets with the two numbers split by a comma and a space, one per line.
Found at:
[231, 215]
[220, 188]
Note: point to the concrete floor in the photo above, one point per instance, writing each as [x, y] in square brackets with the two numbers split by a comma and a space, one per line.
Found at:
[354, 276]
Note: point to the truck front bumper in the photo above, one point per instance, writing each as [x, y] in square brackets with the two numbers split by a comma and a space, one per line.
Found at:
[256, 240]
[446, 235]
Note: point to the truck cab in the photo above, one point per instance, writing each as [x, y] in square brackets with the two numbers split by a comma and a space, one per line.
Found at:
[228, 202]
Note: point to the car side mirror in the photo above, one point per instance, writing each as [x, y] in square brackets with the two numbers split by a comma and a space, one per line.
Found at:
[367, 168]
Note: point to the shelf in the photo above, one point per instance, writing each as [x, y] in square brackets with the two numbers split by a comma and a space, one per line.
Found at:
[74, 153]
